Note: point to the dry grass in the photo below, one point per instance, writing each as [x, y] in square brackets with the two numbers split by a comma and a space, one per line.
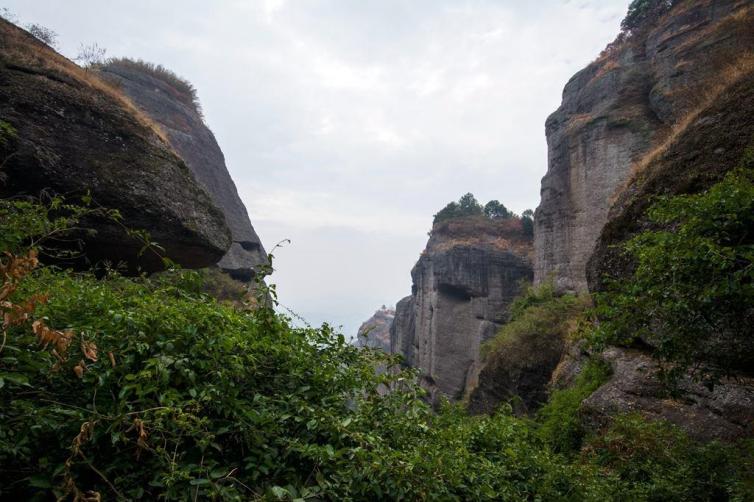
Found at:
[21, 48]
[479, 231]
[184, 91]
[730, 75]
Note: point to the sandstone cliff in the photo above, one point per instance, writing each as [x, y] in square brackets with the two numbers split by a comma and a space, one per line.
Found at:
[619, 108]
[74, 134]
[463, 284]
[375, 331]
[171, 105]
[696, 112]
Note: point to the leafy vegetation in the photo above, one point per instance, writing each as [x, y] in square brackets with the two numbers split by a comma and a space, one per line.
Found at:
[539, 317]
[691, 293]
[641, 11]
[561, 427]
[468, 206]
[656, 461]
[147, 388]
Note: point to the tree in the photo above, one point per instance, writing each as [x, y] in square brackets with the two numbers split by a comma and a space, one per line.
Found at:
[639, 11]
[468, 205]
[527, 222]
[43, 34]
[494, 209]
[91, 55]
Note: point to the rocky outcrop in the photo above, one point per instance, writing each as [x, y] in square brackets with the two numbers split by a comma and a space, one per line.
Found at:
[169, 103]
[463, 284]
[724, 413]
[713, 142]
[616, 111]
[74, 134]
[375, 331]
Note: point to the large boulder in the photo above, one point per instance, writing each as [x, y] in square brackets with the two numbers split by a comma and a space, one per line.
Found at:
[171, 102]
[725, 412]
[74, 134]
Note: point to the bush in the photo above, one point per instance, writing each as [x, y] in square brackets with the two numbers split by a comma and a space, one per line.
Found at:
[655, 460]
[186, 92]
[641, 11]
[140, 388]
[560, 424]
[43, 34]
[538, 317]
[146, 389]
[691, 293]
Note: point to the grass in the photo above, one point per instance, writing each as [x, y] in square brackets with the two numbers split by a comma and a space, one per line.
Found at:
[22, 48]
[185, 91]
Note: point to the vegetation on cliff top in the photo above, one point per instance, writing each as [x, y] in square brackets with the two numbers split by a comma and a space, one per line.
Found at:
[467, 206]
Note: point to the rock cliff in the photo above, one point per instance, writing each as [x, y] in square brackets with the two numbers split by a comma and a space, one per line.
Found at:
[463, 284]
[72, 134]
[375, 331]
[690, 122]
[616, 111]
[167, 100]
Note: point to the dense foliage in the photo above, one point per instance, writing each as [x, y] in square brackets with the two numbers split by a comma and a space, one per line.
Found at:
[137, 388]
[468, 205]
[691, 294]
[539, 317]
[641, 11]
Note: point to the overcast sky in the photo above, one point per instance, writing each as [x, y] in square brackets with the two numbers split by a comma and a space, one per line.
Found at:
[347, 124]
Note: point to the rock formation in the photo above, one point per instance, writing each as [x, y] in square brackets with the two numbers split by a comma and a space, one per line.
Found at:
[169, 102]
[725, 413]
[688, 121]
[375, 331]
[618, 109]
[463, 284]
[74, 134]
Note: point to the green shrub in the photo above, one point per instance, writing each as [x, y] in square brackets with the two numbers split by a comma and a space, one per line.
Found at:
[642, 11]
[692, 290]
[560, 425]
[655, 460]
[539, 318]
[159, 392]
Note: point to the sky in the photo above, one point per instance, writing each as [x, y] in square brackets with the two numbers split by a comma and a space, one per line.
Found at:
[347, 124]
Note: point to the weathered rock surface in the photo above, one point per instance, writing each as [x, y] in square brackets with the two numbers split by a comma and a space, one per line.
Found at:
[618, 109]
[178, 116]
[698, 156]
[463, 284]
[75, 135]
[726, 413]
[375, 331]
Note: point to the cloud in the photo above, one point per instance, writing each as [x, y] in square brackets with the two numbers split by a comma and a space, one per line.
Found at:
[346, 125]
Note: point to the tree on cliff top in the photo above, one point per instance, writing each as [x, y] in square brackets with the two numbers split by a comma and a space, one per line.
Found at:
[639, 11]
[467, 205]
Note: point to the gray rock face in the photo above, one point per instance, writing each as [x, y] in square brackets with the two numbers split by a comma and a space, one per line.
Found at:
[726, 413]
[196, 144]
[76, 135]
[403, 331]
[375, 331]
[462, 288]
[614, 112]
